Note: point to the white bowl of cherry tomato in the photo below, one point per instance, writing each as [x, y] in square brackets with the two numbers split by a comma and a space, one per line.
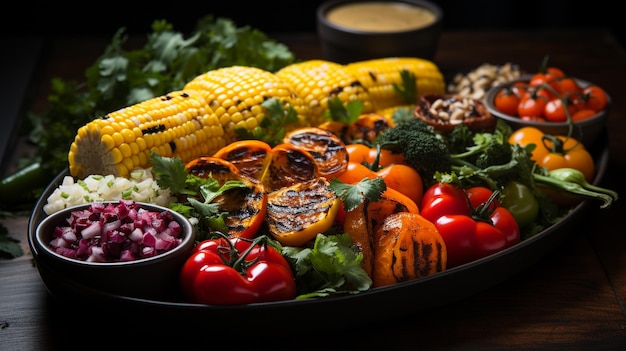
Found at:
[552, 102]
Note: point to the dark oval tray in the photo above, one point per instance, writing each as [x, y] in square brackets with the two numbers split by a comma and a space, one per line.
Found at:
[323, 314]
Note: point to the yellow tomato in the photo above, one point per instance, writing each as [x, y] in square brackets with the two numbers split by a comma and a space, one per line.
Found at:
[553, 152]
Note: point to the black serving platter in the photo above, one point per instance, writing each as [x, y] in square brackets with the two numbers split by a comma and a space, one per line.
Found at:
[404, 299]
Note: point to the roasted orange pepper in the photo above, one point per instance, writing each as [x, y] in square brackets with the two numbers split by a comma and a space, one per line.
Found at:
[407, 246]
[362, 222]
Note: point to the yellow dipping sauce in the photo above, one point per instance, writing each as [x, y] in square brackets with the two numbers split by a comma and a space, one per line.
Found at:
[380, 16]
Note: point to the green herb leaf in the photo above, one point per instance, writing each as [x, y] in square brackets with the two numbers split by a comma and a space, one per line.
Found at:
[273, 127]
[353, 195]
[332, 266]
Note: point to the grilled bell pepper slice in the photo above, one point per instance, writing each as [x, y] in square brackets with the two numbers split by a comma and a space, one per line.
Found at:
[297, 213]
[236, 271]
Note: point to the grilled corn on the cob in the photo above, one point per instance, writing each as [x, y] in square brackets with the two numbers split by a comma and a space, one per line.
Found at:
[379, 76]
[317, 81]
[178, 124]
[236, 93]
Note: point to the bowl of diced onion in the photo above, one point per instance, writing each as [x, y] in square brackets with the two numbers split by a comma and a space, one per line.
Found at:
[120, 247]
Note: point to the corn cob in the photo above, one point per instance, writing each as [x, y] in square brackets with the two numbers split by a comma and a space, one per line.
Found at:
[235, 95]
[178, 124]
[316, 81]
[378, 76]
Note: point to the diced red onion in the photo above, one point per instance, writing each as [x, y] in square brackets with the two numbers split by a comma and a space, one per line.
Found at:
[111, 233]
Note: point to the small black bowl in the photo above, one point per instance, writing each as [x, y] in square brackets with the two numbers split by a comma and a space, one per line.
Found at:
[344, 44]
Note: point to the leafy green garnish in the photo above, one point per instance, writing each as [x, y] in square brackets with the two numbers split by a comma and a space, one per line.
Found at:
[198, 192]
[353, 195]
[408, 89]
[273, 127]
[332, 266]
[347, 114]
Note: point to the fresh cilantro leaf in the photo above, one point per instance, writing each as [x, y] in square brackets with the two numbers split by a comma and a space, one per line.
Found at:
[344, 114]
[408, 89]
[331, 266]
[273, 127]
[170, 173]
[353, 195]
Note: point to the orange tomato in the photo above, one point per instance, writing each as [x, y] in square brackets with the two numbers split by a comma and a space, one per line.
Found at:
[554, 152]
[362, 153]
[402, 178]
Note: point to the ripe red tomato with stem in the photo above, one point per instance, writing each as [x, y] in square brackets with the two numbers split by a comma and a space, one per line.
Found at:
[558, 110]
[583, 114]
[471, 226]
[595, 97]
[531, 104]
[566, 86]
[507, 101]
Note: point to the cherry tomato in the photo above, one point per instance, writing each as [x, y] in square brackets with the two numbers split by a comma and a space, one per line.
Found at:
[533, 118]
[362, 153]
[479, 195]
[567, 86]
[547, 76]
[583, 114]
[571, 152]
[506, 101]
[596, 97]
[556, 110]
[402, 178]
[531, 105]
[468, 234]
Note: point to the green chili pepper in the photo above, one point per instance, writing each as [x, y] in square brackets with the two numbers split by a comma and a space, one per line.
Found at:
[573, 182]
[22, 187]
[520, 201]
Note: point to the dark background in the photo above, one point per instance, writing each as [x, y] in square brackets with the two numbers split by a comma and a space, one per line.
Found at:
[104, 18]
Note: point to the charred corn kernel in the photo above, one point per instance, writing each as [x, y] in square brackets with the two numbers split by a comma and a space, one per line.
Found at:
[378, 76]
[236, 93]
[316, 81]
[178, 124]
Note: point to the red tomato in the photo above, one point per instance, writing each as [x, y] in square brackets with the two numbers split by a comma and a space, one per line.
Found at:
[443, 199]
[556, 110]
[531, 105]
[583, 114]
[506, 101]
[547, 76]
[479, 195]
[236, 271]
[469, 237]
[566, 86]
[533, 118]
[596, 97]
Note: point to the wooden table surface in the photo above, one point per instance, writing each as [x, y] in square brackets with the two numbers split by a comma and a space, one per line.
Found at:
[572, 299]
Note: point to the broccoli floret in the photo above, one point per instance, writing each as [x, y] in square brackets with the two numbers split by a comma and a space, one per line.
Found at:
[423, 149]
[495, 154]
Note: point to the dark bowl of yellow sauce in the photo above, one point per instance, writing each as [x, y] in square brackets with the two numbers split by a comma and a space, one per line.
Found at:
[355, 30]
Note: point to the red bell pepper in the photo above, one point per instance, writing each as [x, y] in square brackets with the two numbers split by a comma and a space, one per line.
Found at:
[471, 221]
[235, 270]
